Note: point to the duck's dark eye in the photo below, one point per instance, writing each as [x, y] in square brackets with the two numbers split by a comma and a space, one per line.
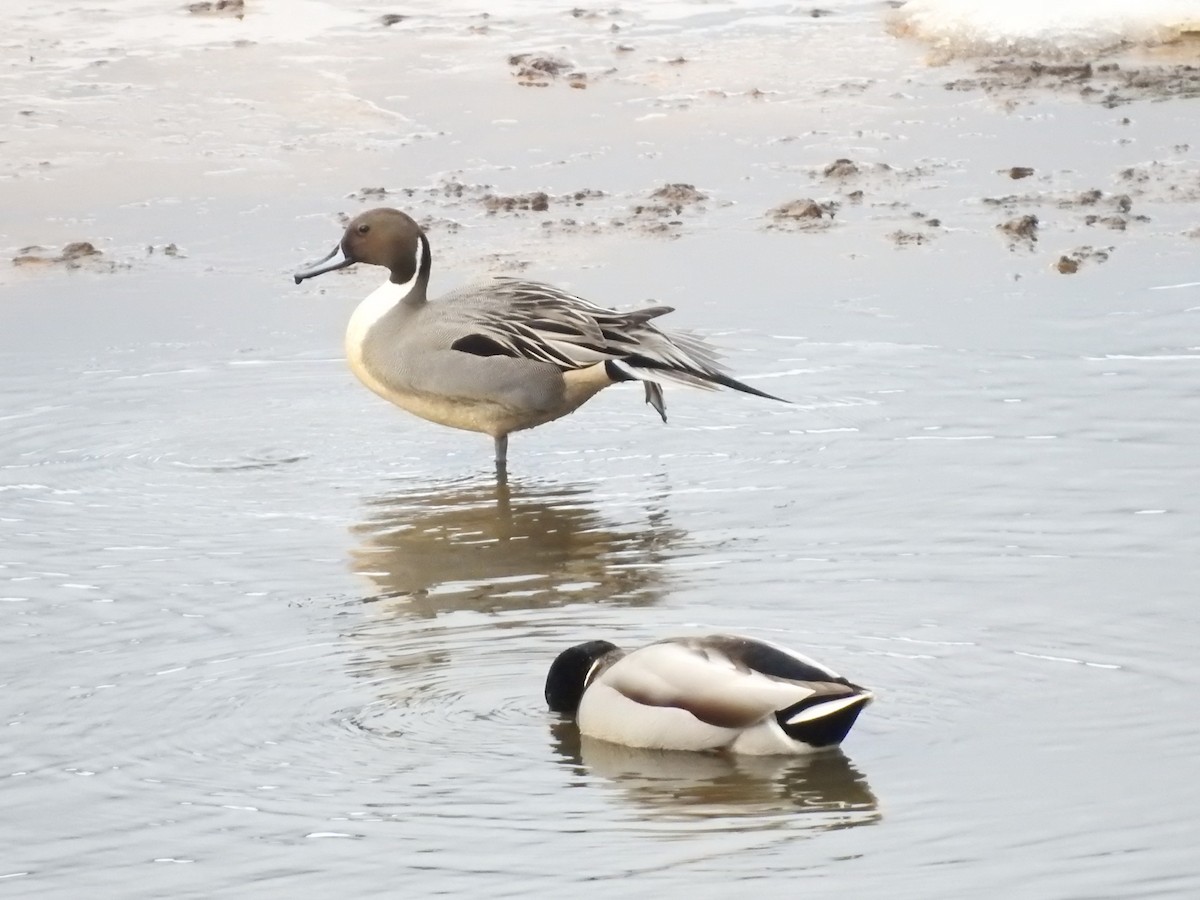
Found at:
[364, 228]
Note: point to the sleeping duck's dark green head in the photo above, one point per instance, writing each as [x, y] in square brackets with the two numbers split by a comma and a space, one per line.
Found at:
[573, 670]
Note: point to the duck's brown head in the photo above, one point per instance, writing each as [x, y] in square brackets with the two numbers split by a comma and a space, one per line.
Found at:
[379, 237]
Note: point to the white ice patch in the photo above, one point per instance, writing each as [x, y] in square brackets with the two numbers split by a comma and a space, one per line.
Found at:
[1036, 27]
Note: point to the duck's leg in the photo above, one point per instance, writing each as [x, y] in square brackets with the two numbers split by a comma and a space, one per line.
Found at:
[502, 458]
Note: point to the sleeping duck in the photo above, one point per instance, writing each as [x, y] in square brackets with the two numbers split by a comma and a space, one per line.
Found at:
[715, 692]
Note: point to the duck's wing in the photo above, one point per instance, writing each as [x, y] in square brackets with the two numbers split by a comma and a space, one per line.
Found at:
[539, 323]
[764, 657]
[821, 718]
[712, 679]
[531, 320]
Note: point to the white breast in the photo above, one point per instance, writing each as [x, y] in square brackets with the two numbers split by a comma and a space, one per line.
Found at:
[377, 304]
[443, 410]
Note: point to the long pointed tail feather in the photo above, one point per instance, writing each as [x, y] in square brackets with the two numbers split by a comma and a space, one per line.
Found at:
[645, 369]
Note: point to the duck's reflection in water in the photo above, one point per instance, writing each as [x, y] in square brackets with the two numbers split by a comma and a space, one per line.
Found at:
[488, 547]
[710, 786]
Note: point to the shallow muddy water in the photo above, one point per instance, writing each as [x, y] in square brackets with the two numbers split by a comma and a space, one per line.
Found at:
[265, 635]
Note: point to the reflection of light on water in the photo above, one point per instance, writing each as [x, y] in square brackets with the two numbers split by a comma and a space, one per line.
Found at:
[438, 557]
[486, 548]
[725, 790]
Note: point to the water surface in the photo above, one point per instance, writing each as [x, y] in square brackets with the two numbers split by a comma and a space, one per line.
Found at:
[264, 634]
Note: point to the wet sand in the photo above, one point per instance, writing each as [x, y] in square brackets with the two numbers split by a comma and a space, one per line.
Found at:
[266, 634]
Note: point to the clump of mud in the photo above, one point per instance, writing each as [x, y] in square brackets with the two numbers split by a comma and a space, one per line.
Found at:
[72, 256]
[1103, 210]
[448, 188]
[457, 192]
[452, 188]
[537, 201]
[433, 223]
[1109, 84]
[842, 168]
[233, 8]
[658, 212]
[906, 237]
[533, 70]
[580, 197]
[1063, 199]
[858, 179]
[902, 238]
[667, 203]
[804, 214]
[799, 209]
[594, 15]
[1115, 223]
[672, 198]
[1069, 263]
[1022, 228]
[506, 262]
[84, 255]
[1164, 182]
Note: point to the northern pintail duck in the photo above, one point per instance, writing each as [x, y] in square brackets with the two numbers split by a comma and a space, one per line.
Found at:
[501, 355]
[716, 692]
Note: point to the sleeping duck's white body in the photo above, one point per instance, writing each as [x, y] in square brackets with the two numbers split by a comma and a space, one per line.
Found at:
[718, 692]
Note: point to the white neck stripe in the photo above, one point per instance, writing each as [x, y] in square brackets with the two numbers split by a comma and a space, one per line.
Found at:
[587, 679]
[420, 257]
[380, 302]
